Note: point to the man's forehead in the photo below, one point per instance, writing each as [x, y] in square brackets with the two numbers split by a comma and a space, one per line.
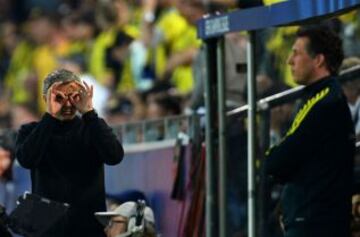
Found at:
[69, 87]
[119, 218]
[300, 43]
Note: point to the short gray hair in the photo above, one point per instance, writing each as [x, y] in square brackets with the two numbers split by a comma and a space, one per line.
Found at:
[60, 75]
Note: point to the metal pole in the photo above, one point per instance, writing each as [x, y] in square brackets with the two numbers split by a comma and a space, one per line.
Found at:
[264, 189]
[210, 78]
[222, 137]
[251, 87]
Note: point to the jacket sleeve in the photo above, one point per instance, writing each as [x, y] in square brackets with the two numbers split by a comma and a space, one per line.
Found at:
[32, 140]
[102, 138]
[296, 147]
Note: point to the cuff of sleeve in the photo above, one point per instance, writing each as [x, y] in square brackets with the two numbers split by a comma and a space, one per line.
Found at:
[90, 115]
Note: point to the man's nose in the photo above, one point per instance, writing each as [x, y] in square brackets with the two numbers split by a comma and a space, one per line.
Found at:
[67, 102]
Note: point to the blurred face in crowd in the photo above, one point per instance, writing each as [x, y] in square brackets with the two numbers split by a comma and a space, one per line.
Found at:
[351, 91]
[5, 161]
[77, 30]
[41, 30]
[69, 28]
[191, 11]
[117, 225]
[155, 111]
[167, 3]
[301, 63]
[85, 31]
[9, 37]
[123, 11]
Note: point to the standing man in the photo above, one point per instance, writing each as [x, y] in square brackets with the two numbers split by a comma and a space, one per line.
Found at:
[66, 153]
[315, 158]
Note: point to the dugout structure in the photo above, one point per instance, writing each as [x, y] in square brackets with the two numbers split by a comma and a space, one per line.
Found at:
[211, 29]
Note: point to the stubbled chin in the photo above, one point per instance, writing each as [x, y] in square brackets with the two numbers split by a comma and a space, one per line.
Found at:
[68, 116]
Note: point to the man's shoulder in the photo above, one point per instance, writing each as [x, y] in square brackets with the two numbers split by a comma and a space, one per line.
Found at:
[336, 95]
[330, 93]
[28, 126]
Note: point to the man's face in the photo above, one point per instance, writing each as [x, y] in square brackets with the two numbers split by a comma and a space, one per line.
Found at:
[68, 111]
[5, 160]
[116, 226]
[301, 63]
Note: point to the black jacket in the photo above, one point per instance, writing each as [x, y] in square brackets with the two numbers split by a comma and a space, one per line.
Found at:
[315, 159]
[66, 161]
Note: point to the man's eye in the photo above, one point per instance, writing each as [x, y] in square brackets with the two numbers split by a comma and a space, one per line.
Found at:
[77, 97]
[59, 98]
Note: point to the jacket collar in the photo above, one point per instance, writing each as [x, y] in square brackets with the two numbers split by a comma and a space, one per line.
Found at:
[319, 84]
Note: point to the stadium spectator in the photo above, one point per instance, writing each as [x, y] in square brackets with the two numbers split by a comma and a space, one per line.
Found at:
[7, 156]
[352, 92]
[173, 41]
[316, 157]
[119, 110]
[162, 105]
[8, 42]
[159, 106]
[66, 153]
[80, 29]
[115, 20]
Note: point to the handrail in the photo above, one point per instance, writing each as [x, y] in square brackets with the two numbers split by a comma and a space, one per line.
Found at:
[155, 129]
[151, 130]
[287, 96]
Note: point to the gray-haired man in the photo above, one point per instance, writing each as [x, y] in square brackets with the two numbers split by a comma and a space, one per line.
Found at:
[65, 153]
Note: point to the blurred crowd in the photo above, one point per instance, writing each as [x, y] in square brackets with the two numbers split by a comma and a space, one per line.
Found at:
[143, 56]
[137, 54]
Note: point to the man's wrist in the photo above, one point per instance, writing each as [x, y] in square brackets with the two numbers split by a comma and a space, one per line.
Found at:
[86, 110]
[89, 115]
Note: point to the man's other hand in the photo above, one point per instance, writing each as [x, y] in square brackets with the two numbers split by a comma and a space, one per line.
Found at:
[83, 100]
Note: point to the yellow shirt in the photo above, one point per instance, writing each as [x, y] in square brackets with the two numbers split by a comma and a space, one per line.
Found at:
[19, 70]
[183, 75]
[104, 40]
[279, 45]
[178, 36]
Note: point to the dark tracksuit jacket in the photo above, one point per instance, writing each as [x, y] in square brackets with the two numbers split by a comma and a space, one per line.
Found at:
[315, 162]
[66, 161]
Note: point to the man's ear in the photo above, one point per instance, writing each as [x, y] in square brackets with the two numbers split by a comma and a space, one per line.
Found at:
[320, 60]
[44, 98]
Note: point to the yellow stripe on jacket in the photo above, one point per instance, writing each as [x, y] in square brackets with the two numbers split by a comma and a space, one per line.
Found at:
[300, 116]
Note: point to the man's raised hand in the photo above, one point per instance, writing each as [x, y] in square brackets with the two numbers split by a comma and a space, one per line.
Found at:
[55, 100]
[83, 100]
